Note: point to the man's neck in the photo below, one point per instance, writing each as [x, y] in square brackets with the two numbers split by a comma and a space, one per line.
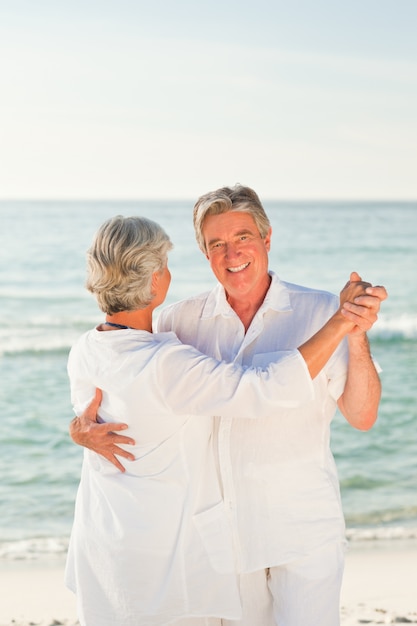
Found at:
[247, 308]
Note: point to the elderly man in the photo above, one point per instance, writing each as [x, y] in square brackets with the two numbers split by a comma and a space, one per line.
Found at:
[278, 477]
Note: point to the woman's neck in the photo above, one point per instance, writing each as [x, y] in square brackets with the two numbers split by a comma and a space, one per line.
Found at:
[139, 320]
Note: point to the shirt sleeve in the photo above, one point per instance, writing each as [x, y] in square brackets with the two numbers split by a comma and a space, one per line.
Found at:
[191, 382]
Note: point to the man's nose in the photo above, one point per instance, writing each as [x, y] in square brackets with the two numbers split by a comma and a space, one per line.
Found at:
[231, 250]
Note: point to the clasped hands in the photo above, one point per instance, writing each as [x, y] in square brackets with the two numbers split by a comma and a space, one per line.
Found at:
[361, 309]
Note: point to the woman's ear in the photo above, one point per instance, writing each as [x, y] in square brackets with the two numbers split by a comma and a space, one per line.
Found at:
[154, 283]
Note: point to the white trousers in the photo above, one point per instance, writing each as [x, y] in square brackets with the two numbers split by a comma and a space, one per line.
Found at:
[305, 592]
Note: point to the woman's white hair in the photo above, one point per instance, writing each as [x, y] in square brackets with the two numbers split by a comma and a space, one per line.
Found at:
[126, 251]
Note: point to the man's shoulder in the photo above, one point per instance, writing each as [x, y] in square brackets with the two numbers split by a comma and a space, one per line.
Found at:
[185, 303]
[304, 289]
[188, 308]
[301, 295]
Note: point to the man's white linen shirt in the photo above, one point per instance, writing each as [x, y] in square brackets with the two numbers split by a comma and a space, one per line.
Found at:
[154, 544]
[279, 479]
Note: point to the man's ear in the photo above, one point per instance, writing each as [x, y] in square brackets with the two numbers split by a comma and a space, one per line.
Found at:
[267, 239]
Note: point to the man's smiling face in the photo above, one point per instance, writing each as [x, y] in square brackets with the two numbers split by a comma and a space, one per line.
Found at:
[237, 254]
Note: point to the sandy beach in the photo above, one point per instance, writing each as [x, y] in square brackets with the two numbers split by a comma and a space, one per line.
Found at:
[380, 583]
[380, 587]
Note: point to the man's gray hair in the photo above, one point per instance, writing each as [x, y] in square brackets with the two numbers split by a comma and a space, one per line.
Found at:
[237, 198]
[126, 251]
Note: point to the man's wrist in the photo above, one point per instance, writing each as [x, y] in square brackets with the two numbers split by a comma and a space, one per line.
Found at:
[358, 342]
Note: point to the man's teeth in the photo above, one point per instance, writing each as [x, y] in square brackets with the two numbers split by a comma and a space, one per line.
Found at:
[238, 269]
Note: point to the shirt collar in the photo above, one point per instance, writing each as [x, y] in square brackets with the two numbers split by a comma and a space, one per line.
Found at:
[277, 299]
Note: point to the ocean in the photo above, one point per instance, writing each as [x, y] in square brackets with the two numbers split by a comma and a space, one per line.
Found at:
[44, 307]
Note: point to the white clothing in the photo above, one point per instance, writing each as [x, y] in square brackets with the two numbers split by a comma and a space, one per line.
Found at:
[257, 601]
[306, 591]
[153, 544]
[198, 621]
[279, 478]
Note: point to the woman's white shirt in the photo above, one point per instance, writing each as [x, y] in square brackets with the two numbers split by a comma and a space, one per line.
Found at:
[154, 544]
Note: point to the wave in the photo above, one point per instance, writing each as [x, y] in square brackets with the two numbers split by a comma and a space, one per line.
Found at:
[42, 343]
[403, 327]
[362, 483]
[386, 518]
[49, 333]
[44, 294]
[43, 334]
[381, 533]
[35, 548]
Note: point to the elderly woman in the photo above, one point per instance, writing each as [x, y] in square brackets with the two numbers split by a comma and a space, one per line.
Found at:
[152, 546]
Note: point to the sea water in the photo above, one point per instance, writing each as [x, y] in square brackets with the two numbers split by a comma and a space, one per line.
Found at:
[44, 307]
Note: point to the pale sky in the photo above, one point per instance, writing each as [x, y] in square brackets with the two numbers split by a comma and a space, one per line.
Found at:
[131, 99]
